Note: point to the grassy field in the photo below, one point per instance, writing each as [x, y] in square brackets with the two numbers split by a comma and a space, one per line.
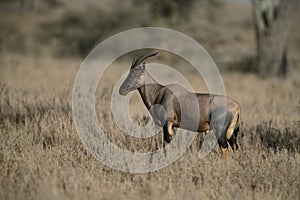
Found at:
[42, 157]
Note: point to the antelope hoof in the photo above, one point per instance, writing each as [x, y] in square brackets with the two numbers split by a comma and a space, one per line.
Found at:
[224, 153]
[237, 152]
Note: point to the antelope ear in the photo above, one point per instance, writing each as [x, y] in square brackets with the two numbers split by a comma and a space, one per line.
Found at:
[143, 66]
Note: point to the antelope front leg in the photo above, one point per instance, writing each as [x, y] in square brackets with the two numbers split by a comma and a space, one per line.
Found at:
[168, 131]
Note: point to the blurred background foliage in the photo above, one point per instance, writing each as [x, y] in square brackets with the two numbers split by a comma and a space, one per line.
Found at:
[73, 28]
[64, 28]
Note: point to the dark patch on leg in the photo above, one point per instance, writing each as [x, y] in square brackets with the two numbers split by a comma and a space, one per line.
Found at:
[222, 142]
[232, 142]
[220, 121]
[233, 139]
[167, 136]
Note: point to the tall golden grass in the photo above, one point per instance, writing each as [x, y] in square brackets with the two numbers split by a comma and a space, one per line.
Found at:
[42, 157]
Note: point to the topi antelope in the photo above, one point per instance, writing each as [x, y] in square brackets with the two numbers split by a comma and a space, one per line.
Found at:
[216, 112]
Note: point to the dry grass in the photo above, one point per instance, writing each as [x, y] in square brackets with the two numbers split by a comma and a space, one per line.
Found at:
[42, 157]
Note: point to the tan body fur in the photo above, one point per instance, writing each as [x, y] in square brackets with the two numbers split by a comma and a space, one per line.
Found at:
[168, 114]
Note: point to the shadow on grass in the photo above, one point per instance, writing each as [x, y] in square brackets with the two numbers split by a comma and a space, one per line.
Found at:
[287, 137]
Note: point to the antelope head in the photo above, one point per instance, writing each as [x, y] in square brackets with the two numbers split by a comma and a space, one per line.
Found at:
[137, 74]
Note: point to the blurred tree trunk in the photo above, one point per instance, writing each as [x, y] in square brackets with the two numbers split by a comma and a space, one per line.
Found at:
[273, 21]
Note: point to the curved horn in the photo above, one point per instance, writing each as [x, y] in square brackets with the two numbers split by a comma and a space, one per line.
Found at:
[138, 60]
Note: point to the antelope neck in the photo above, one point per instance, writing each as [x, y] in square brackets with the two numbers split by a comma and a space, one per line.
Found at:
[149, 92]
